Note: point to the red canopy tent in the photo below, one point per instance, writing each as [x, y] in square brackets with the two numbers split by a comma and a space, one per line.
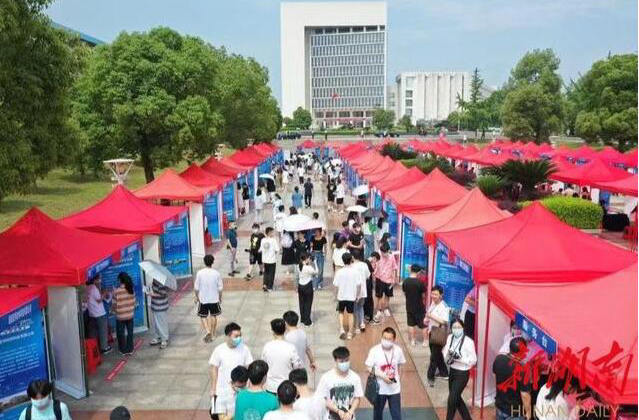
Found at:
[535, 245]
[593, 171]
[397, 168]
[233, 164]
[307, 144]
[247, 157]
[483, 157]
[629, 159]
[172, 186]
[14, 297]
[473, 209]
[38, 250]
[353, 149]
[561, 164]
[399, 179]
[584, 153]
[626, 186]
[383, 166]
[222, 168]
[201, 178]
[452, 150]
[123, 212]
[265, 148]
[608, 154]
[554, 308]
[367, 162]
[433, 192]
[466, 151]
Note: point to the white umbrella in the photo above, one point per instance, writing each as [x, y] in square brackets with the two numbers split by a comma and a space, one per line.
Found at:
[268, 176]
[158, 272]
[357, 209]
[295, 222]
[336, 161]
[311, 225]
[360, 190]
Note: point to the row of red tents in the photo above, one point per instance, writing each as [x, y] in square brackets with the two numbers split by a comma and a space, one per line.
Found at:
[531, 262]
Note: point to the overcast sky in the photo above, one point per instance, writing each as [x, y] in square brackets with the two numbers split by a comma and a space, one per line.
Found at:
[422, 34]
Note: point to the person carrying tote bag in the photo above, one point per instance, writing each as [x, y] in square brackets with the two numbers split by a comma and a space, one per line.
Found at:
[437, 318]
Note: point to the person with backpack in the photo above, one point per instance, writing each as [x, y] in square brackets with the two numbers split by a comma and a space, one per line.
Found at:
[43, 406]
[124, 308]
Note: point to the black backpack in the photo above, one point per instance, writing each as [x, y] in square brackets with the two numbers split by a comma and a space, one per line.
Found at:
[56, 410]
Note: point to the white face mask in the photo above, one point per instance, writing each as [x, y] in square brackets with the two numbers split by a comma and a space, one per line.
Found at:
[386, 344]
[344, 366]
[41, 403]
[457, 332]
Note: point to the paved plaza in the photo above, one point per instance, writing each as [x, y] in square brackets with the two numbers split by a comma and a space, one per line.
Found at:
[174, 383]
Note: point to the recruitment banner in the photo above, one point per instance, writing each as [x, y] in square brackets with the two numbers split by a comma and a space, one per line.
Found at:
[414, 250]
[228, 202]
[128, 264]
[454, 276]
[251, 183]
[176, 246]
[393, 221]
[23, 357]
[211, 214]
[377, 203]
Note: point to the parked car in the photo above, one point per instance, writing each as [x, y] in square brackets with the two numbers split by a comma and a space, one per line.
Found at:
[289, 135]
[386, 134]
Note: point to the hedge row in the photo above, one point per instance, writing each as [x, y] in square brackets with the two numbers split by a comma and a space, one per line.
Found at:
[577, 212]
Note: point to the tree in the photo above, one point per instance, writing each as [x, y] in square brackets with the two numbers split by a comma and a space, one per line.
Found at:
[151, 95]
[527, 173]
[421, 125]
[605, 102]
[302, 118]
[37, 69]
[532, 107]
[287, 122]
[383, 119]
[406, 123]
[456, 119]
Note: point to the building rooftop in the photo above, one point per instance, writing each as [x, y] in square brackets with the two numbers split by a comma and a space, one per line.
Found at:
[92, 41]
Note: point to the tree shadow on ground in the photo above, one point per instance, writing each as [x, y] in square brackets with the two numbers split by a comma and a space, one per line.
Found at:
[17, 205]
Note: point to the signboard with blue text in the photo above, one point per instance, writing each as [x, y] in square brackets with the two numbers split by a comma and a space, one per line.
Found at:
[540, 337]
[228, 202]
[377, 201]
[176, 246]
[251, 183]
[454, 276]
[211, 214]
[128, 264]
[23, 357]
[393, 221]
[414, 250]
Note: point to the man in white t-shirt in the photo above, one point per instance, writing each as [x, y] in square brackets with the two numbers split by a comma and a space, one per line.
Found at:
[269, 249]
[208, 295]
[223, 404]
[313, 405]
[286, 394]
[297, 337]
[226, 356]
[340, 193]
[386, 359]
[280, 355]
[340, 387]
[347, 289]
[300, 174]
[437, 315]
[363, 273]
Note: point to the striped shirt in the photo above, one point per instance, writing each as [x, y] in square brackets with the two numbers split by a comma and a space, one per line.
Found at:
[124, 304]
[159, 303]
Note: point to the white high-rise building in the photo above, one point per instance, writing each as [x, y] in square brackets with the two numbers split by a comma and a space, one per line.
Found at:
[430, 95]
[334, 60]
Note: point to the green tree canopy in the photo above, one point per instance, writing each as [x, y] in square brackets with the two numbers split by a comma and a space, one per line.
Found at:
[406, 123]
[532, 107]
[604, 102]
[151, 95]
[302, 118]
[383, 119]
[37, 68]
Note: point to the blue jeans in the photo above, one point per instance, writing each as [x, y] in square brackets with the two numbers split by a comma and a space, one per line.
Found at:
[394, 405]
[318, 279]
[506, 416]
[359, 312]
[370, 245]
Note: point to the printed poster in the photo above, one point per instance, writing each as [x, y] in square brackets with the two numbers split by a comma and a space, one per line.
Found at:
[176, 247]
[414, 250]
[228, 202]
[455, 277]
[211, 214]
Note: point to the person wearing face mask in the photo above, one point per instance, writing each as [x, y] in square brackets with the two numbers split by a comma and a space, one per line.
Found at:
[255, 256]
[286, 396]
[512, 401]
[460, 355]
[223, 407]
[385, 360]
[437, 316]
[43, 406]
[340, 387]
[307, 270]
[269, 249]
[226, 356]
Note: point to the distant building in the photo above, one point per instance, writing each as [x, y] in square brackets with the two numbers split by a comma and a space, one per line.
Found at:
[88, 39]
[431, 96]
[391, 98]
[334, 60]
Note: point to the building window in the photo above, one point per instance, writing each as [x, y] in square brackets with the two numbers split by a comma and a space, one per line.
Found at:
[408, 94]
[409, 102]
[409, 112]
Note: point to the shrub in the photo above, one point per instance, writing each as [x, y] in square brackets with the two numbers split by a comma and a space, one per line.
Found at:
[490, 185]
[463, 178]
[395, 152]
[427, 164]
[577, 212]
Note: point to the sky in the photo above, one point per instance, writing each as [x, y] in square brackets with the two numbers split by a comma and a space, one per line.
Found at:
[427, 35]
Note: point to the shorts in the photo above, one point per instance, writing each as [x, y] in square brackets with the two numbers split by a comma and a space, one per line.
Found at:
[340, 201]
[206, 309]
[255, 257]
[347, 305]
[383, 289]
[331, 198]
[415, 319]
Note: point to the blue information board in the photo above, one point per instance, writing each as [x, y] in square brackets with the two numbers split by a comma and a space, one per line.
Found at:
[228, 202]
[456, 277]
[211, 214]
[393, 221]
[251, 183]
[176, 246]
[540, 337]
[414, 250]
[23, 357]
[377, 201]
[109, 276]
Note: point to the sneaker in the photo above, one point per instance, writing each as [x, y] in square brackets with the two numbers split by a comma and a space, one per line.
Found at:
[431, 382]
[413, 343]
[261, 273]
[362, 326]
[155, 342]
[264, 289]
[128, 353]
[342, 335]
[444, 377]
[236, 271]
[232, 274]
[424, 343]
[107, 350]
[358, 331]
[247, 277]
[349, 336]
[207, 338]
[375, 321]
[387, 312]
[164, 345]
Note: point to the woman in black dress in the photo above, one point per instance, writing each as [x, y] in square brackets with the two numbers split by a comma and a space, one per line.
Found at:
[331, 195]
[288, 251]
